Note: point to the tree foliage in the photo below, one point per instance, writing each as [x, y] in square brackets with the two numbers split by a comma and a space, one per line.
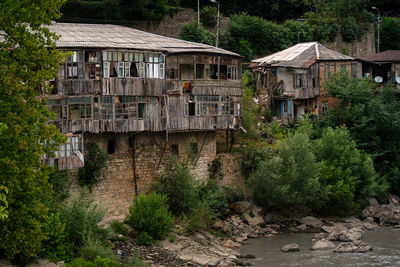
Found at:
[95, 166]
[28, 59]
[390, 33]
[371, 114]
[194, 32]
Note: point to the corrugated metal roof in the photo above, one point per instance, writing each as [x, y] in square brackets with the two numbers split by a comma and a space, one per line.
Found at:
[76, 35]
[385, 56]
[115, 36]
[301, 55]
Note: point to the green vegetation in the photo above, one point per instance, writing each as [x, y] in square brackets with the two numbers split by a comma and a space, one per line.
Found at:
[196, 33]
[94, 169]
[371, 114]
[28, 58]
[94, 248]
[209, 15]
[61, 182]
[390, 33]
[149, 217]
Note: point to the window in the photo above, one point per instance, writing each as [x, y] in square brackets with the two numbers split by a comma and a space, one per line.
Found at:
[223, 72]
[111, 147]
[71, 147]
[59, 107]
[200, 71]
[189, 107]
[354, 69]
[207, 105]
[175, 149]
[106, 69]
[186, 71]
[80, 108]
[324, 107]
[225, 106]
[299, 80]
[155, 66]
[235, 109]
[343, 66]
[314, 82]
[126, 107]
[327, 71]
[121, 69]
[75, 65]
[232, 73]
[106, 107]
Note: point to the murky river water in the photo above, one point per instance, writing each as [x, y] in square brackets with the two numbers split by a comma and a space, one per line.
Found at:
[385, 243]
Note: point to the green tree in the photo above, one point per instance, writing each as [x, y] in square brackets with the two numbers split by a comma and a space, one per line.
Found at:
[347, 174]
[209, 15]
[196, 33]
[290, 178]
[372, 115]
[390, 33]
[28, 59]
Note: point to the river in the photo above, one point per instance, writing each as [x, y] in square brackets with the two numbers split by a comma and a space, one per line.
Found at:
[385, 243]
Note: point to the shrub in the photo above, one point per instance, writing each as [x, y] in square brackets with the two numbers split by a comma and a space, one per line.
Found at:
[209, 15]
[145, 239]
[57, 246]
[390, 33]
[95, 166]
[176, 182]
[351, 30]
[347, 173]
[135, 261]
[251, 157]
[233, 194]
[94, 248]
[211, 196]
[215, 169]
[118, 227]
[82, 220]
[149, 213]
[201, 218]
[288, 179]
[98, 262]
[196, 33]
[61, 183]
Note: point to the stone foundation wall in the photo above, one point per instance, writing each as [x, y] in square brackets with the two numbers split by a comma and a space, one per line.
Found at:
[145, 152]
[232, 171]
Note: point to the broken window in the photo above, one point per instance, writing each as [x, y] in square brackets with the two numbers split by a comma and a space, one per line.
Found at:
[299, 80]
[225, 106]
[75, 65]
[189, 107]
[80, 108]
[141, 106]
[235, 109]
[207, 105]
[186, 71]
[126, 107]
[106, 107]
[92, 59]
[324, 107]
[214, 71]
[175, 149]
[59, 107]
[200, 71]
[343, 67]
[223, 72]
[71, 147]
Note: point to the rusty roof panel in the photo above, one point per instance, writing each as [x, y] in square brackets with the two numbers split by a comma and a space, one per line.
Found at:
[385, 56]
[301, 55]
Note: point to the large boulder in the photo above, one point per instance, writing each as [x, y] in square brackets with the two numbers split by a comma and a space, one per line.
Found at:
[345, 236]
[357, 246]
[293, 247]
[311, 221]
[323, 244]
[338, 227]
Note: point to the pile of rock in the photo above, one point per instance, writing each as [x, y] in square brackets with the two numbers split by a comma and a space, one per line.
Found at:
[383, 214]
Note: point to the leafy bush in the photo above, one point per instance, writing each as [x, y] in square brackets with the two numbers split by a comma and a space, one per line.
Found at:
[149, 213]
[56, 246]
[215, 169]
[98, 262]
[288, 179]
[251, 157]
[135, 261]
[118, 227]
[196, 33]
[390, 33]
[94, 248]
[212, 196]
[233, 194]
[209, 15]
[82, 220]
[61, 183]
[145, 239]
[347, 173]
[95, 166]
[201, 218]
[351, 30]
[176, 182]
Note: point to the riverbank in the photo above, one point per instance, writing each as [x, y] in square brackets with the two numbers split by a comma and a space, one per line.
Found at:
[221, 246]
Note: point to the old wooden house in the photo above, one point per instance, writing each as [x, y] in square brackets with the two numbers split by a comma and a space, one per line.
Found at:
[383, 67]
[140, 97]
[292, 80]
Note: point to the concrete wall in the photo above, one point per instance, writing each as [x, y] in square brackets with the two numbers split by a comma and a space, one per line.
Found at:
[287, 77]
[143, 150]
